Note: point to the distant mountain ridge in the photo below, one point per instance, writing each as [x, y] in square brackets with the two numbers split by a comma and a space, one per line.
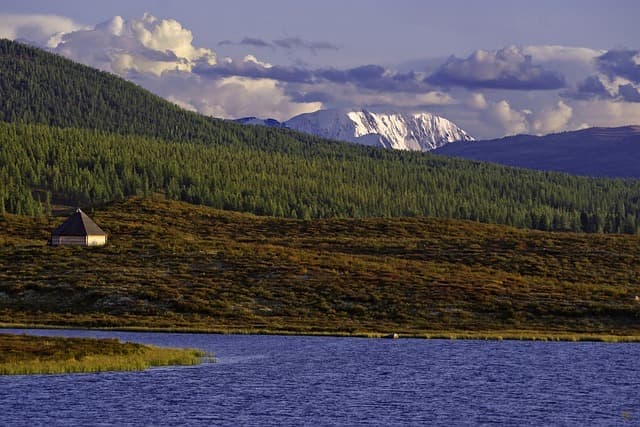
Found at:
[399, 131]
[605, 152]
[262, 122]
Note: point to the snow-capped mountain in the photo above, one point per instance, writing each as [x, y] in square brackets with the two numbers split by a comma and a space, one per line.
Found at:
[400, 131]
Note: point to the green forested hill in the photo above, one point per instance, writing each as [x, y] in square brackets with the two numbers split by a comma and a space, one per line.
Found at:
[40, 87]
[83, 167]
[83, 137]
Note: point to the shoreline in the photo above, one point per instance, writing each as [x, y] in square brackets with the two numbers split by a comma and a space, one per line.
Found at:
[22, 354]
[497, 335]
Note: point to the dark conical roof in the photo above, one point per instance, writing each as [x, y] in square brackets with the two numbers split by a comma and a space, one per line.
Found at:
[78, 224]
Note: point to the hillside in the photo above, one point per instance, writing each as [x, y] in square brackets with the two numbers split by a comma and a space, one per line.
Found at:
[42, 88]
[610, 152]
[83, 168]
[101, 139]
[174, 265]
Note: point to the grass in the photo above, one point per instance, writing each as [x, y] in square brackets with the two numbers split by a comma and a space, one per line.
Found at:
[174, 266]
[22, 354]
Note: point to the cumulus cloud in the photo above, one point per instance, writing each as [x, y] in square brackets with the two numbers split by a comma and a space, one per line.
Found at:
[508, 68]
[477, 101]
[159, 54]
[606, 113]
[242, 97]
[510, 120]
[42, 30]
[485, 93]
[591, 87]
[551, 120]
[165, 35]
[351, 96]
[229, 97]
[629, 93]
[372, 77]
[145, 45]
[618, 78]
[620, 63]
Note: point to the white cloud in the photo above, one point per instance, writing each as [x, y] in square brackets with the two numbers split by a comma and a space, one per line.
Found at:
[241, 96]
[552, 119]
[167, 35]
[606, 113]
[510, 120]
[508, 68]
[230, 97]
[254, 60]
[43, 30]
[477, 101]
[159, 54]
[358, 98]
[145, 45]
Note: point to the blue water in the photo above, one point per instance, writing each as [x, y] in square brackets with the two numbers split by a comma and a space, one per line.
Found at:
[275, 380]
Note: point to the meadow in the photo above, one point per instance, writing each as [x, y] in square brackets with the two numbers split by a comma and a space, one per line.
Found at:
[174, 266]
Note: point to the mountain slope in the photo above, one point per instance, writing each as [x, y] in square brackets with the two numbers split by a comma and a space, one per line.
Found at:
[43, 88]
[83, 168]
[260, 122]
[610, 152]
[400, 131]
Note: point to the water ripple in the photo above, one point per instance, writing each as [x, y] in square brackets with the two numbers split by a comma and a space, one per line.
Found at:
[273, 380]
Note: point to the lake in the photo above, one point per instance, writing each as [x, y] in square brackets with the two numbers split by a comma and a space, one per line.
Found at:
[294, 380]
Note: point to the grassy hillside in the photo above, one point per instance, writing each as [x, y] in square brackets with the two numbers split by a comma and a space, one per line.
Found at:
[174, 265]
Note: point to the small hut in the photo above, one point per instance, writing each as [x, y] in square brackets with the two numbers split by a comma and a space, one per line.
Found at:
[80, 230]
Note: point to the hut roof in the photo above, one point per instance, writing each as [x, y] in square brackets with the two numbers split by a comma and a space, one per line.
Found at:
[78, 224]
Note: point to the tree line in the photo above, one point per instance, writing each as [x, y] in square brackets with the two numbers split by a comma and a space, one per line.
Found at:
[81, 136]
[40, 165]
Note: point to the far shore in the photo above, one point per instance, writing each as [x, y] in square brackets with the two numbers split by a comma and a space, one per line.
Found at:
[496, 335]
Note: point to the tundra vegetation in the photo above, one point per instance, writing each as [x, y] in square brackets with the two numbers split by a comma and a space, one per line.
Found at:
[174, 266]
[23, 354]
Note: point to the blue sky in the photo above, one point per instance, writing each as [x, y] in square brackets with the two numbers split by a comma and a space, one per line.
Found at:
[493, 67]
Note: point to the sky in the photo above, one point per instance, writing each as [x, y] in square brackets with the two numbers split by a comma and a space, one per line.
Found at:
[493, 67]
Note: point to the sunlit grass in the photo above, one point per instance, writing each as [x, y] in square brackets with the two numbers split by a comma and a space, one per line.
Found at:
[22, 354]
[172, 266]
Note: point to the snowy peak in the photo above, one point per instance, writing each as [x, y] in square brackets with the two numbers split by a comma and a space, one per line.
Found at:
[400, 131]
